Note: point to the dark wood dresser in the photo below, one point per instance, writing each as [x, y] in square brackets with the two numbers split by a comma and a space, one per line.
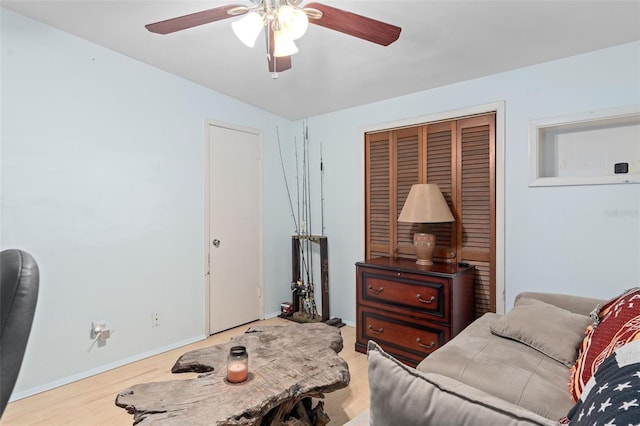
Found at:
[411, 310]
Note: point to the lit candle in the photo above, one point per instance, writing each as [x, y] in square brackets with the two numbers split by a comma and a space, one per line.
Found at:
[237, 372]
[237, 364]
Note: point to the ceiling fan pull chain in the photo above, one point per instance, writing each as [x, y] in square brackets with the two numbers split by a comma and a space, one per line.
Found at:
[270, 58]
[274, 75]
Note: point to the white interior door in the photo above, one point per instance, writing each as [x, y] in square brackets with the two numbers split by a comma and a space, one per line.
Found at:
[235, 227]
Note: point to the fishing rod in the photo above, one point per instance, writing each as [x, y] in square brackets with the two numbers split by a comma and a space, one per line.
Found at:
[305, 203]
[286, 183]
[295, 148]
[321, 191]
[309, 211]
[300, 245]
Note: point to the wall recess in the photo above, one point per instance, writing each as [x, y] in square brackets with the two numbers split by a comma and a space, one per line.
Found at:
[591, 148]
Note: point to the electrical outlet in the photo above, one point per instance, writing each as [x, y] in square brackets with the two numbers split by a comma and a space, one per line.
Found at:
[155, 319]
[100, 330]
[97, 327]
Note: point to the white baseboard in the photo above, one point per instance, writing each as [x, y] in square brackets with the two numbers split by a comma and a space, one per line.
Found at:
[83, 375]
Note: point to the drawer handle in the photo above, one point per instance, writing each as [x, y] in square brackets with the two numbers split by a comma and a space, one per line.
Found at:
[379, 331]
[429, 346]
[378, 291]
[421, 300]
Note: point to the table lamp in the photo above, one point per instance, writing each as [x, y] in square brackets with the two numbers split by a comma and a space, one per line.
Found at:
[425, 204]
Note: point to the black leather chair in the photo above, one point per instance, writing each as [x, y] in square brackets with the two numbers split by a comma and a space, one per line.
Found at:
[19, 281]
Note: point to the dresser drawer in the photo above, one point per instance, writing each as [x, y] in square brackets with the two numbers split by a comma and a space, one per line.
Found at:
[405, 293]
[408, 340]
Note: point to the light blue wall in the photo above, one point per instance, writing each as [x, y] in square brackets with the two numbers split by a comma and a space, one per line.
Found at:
[577, 239]
[103, 181]
[102, 168]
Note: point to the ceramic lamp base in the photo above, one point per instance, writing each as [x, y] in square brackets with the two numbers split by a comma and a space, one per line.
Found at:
[425, 246]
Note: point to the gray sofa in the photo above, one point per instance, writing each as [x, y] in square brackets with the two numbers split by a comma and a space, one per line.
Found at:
[502, 369]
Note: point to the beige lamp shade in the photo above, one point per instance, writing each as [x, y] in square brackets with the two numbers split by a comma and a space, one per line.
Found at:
[425, 204]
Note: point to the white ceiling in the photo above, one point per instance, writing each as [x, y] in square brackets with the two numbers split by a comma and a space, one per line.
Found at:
[442, 42]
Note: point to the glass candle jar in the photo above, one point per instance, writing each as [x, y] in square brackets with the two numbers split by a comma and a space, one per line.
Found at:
[237, 364]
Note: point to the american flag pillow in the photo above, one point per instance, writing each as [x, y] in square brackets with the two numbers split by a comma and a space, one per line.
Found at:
[618, 324]
[612, 394]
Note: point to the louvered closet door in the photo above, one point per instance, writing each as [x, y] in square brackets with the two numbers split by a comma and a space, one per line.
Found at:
[393, 165]
[407, 156]
[476, 201]
[440, 166]
[378, 192]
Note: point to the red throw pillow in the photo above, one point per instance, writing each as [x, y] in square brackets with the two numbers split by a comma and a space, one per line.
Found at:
[619, 323]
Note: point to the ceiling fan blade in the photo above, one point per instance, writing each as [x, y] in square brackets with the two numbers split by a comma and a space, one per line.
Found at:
[276, 65]
[194, 19]
[355, 25]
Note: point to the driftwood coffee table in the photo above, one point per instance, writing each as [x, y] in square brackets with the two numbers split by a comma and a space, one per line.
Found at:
[288, 365]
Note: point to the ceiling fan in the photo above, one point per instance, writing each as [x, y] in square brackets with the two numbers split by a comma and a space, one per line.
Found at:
[283, 21]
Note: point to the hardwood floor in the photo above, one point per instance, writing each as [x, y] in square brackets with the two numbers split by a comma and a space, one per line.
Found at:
[91, 401]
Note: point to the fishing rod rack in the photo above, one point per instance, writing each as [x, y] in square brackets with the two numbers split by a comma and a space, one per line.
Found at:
[303, 307]
[301, 294]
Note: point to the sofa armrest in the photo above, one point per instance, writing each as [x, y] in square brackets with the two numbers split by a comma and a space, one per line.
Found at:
[576, 304]
[401, 395]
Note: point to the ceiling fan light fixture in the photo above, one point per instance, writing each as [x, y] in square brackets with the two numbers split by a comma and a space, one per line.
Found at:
[293, 21]
[283, 21]
[283, 45]
[248, 27]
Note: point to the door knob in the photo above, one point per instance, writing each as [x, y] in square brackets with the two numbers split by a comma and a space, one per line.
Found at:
[216, 243]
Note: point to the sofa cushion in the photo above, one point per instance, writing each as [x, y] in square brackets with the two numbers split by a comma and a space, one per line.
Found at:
[576, 304]
[618, 324]
[504, 368]
[401, 395]
[553, 331]
[611, 394]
